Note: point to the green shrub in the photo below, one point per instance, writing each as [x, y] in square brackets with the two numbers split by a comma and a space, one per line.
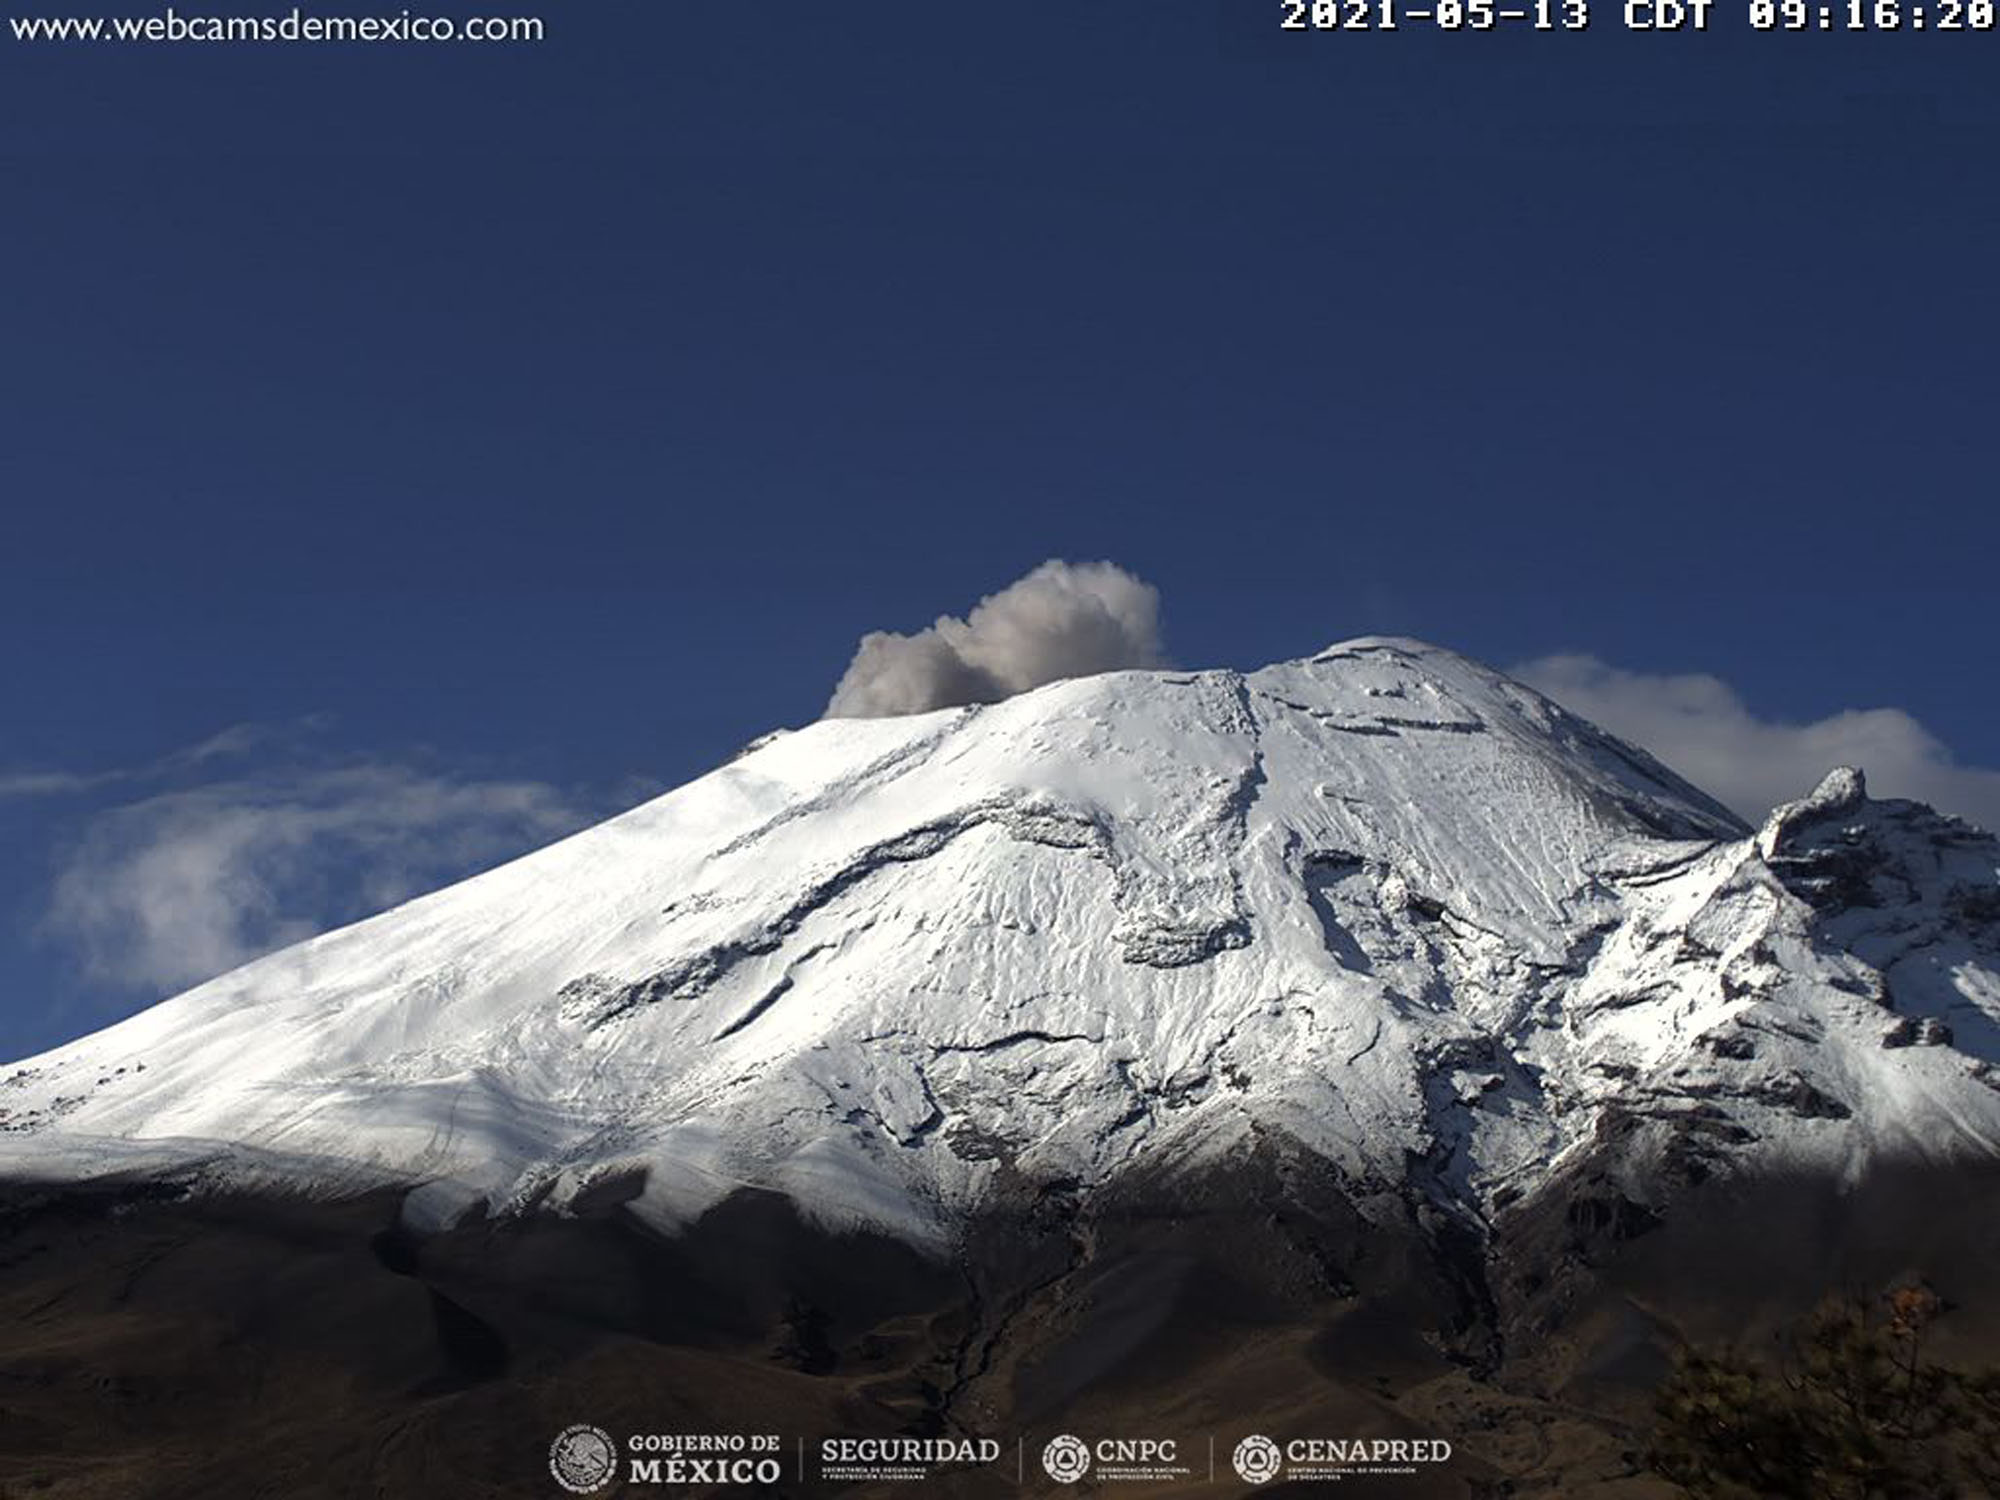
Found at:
[1850, 1410]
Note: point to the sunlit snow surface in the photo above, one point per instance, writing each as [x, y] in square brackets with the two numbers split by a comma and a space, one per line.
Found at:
[1382, 901]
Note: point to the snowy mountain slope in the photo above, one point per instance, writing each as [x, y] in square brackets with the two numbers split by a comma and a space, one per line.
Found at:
[1382, 901]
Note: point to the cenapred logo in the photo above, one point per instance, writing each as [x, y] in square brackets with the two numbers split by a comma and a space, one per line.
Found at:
[1257, 1460]
[583, 1458]
[1067, 1459]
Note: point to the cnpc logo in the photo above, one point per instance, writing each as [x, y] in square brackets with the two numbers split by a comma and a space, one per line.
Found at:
[1068, 1459]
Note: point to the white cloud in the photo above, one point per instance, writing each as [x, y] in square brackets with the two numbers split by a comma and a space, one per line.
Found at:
[237, 740]
[23, 784]
[182, 885]
[1062, 620]
[1701, 727]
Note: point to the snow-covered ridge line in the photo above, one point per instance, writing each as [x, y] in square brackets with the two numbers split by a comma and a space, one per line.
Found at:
[1383, 902]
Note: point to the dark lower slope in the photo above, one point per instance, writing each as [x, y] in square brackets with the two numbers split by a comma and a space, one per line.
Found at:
[160, 1347]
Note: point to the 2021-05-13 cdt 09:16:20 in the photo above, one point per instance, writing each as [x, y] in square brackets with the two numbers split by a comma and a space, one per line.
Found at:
[1330, 16]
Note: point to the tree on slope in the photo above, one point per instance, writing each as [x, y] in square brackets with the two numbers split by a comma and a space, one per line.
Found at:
[1852, 1410]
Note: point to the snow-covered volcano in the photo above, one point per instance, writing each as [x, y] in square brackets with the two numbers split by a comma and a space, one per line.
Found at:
[1383, 903]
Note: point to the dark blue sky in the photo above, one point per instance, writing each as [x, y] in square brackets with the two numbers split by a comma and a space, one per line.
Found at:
[563, 414]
